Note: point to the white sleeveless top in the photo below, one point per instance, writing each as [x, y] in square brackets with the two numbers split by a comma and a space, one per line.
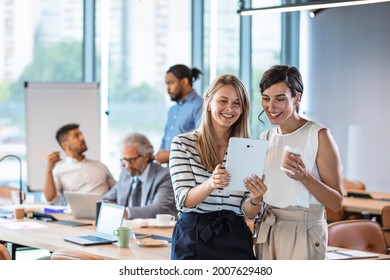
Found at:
[282, 190]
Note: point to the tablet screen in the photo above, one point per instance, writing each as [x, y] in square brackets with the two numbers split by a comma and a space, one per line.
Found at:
[245, 157]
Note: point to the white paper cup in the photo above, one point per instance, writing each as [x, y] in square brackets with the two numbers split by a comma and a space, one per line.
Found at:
[288, 150]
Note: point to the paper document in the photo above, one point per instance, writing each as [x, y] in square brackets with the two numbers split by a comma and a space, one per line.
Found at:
[349, 254]
[22, 225]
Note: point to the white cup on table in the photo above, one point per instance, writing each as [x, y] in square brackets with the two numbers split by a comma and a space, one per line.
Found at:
[164, 219]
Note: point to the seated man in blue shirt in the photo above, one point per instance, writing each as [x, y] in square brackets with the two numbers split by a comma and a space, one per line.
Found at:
[184, 116]
[144, 187]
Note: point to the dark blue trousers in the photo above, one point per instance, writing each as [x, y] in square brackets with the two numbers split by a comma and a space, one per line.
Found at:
[220, 235]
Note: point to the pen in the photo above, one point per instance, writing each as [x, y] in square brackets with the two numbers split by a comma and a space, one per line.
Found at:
[340, 253]
[40, 155]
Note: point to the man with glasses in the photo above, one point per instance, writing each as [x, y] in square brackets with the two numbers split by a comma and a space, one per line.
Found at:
[144, 187]
[74, 173]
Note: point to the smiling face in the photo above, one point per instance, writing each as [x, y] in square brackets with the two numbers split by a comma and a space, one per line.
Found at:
[278, 103]
[225, 107]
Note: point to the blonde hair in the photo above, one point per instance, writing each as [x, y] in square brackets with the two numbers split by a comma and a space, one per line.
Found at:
[206, 143]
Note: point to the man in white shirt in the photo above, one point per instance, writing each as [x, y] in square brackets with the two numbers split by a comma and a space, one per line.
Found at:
[74, 173]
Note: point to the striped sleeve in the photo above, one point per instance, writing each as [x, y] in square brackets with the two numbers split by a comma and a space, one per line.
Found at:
[187, 172]
[184, 167]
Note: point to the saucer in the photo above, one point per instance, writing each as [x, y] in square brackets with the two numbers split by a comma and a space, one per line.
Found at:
[140, 223]
[156, 224]
[150, 242]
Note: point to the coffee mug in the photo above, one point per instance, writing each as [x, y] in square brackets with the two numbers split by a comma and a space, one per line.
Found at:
[124, 235]
[164, 219]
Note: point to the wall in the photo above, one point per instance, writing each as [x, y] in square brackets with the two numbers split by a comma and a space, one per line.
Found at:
[348, 69]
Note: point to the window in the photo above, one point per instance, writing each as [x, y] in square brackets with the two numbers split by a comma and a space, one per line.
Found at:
[136, 42]
[266, 51]
[221, 39]
[42, 42]
[145, 39]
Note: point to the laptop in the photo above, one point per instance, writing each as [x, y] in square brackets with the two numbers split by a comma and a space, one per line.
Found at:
[245, 157]
[110, 218]
[83, 205]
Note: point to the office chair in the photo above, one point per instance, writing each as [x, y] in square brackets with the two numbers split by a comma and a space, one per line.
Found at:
[5, 195]
[6, 199]
[386, 224]
[4, 254]
[351, 185]
[69, 254]
[364, 235]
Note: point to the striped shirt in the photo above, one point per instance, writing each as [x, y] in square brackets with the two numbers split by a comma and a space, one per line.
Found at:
[187, 172]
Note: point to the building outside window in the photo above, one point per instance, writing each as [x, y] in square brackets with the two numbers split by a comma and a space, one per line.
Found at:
[41, 42]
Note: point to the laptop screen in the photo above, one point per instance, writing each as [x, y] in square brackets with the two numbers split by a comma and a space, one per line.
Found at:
[110, 218]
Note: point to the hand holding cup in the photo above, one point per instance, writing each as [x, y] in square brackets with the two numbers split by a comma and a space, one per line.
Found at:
[288, 164]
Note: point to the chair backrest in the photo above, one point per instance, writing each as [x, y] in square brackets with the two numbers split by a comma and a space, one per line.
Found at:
[69, 254]
[386, 224]
[364, 235]
[5, 194]
[353, 185]
[4, 253]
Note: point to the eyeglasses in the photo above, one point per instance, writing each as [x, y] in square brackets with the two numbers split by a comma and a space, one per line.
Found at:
[130, 160]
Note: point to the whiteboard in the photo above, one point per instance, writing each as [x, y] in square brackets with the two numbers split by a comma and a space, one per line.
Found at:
[50, 106]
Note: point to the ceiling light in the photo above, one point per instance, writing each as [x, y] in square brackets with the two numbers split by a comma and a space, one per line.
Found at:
[315, 13]
[307, 6]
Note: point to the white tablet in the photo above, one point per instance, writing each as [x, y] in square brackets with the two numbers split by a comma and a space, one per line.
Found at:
[245, 157]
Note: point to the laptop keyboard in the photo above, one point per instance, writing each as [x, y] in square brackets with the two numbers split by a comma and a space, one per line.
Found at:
[94, 238]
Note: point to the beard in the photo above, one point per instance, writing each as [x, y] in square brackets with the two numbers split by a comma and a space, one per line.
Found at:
[83, 148]
[176, 97]
[134, 172]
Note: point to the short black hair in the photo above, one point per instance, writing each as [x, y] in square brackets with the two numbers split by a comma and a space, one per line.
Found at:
[63, 131]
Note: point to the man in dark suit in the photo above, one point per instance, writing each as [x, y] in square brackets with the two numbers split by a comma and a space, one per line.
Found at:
[144, 187]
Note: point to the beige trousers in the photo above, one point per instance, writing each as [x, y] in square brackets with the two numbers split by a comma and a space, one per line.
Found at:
[292, 233]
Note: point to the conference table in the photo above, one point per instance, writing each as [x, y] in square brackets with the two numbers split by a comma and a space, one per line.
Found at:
[372, 205]
[50, 236]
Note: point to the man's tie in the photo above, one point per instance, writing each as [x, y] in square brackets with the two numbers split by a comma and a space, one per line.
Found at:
[136, 192]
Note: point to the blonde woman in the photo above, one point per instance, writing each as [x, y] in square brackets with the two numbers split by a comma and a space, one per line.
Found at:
[211, 223]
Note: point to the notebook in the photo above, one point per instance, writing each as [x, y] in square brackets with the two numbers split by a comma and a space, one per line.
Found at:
[110, 218]
[83, 205]
[245, 157]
